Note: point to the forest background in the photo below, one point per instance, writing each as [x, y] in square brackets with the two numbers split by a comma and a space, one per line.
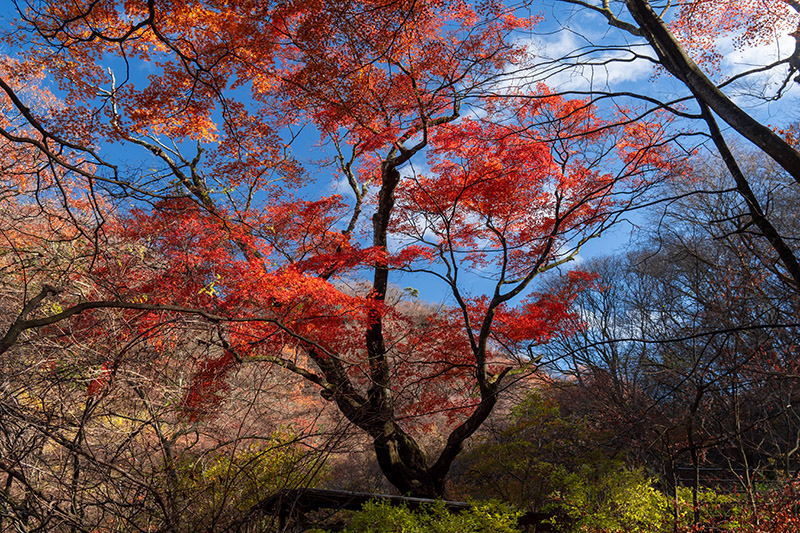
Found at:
[249, 246]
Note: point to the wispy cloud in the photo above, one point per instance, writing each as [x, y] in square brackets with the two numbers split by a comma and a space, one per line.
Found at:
[760, 88]
[568, 62]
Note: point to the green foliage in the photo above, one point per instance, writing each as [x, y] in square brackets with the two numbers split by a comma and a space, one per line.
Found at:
[546, 461]
[616, 499]
[218, 488]
[535, 457]
[773, 509]
[382, 517]
[725, 511]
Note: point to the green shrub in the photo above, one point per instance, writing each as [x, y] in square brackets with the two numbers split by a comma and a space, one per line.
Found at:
[724, 511]
[530, 459]
[382, 517]
[544, 460]
[220, 488]
[613, 500]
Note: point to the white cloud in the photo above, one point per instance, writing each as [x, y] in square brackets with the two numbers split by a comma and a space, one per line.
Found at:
[738, 60]
[567, 62]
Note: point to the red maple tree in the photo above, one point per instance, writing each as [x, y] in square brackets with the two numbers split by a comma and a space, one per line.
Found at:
[444, 179]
